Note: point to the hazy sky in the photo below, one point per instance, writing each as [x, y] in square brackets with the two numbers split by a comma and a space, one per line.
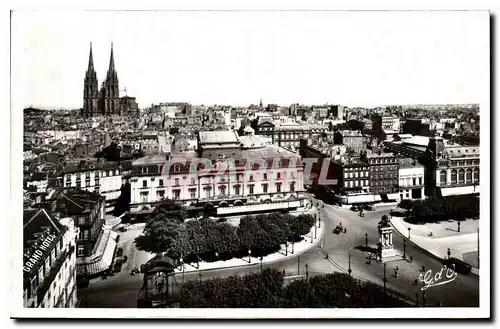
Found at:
[351, 58]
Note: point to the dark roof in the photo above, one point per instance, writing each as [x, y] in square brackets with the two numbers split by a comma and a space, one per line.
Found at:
[37, 225]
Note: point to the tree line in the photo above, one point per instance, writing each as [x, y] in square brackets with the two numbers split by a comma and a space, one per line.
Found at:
[267, 290]
[209, 240]
[458, 207]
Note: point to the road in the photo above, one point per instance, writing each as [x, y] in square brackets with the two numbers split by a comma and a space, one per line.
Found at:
[121, 290]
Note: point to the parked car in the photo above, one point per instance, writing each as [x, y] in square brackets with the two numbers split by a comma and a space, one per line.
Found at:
[355, 208]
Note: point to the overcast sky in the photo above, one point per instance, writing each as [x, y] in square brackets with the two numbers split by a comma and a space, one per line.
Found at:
[236, 58]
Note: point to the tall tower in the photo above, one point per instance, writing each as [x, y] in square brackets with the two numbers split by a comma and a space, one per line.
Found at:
[111, 92]
[90, 89]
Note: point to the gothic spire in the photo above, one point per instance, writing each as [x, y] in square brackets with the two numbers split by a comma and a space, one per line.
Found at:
[111, 61]
[91, 60]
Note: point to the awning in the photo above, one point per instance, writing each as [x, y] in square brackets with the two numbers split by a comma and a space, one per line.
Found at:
[102, 259]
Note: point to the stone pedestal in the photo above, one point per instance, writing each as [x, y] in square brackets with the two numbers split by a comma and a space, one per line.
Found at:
[386, 242]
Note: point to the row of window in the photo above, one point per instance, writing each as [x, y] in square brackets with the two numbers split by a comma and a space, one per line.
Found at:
[382, 160]
[222, 179]
[459, 163]
[97, 174]
[462, 176]
[355, 174]
[410, 181]
[207, 190]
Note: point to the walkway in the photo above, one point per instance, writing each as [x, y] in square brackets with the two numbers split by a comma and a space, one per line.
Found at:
[459, 244]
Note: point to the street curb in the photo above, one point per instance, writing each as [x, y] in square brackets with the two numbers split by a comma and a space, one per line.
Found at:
[423, 249]
[297, 254]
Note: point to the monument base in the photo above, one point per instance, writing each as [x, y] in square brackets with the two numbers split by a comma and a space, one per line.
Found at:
[388, 253]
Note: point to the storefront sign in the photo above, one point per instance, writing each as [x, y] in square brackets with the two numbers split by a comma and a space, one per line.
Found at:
[38, 254]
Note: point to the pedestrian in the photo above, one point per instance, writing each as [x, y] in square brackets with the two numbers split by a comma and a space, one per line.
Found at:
[423, 268]
[411, 258]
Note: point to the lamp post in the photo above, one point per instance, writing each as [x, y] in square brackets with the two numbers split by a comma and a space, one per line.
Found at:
[307, 271]
[319, 220]
[249, 256]
[182, 264]
[449, 253]
[349, 270]
[298, 265]
[458, 227]
[366, 240]
[315, 232]
[409, 229]
[293, 243]
[261, 263]
[385, 279]
[286, 248]
[200, 276]
[404, 248]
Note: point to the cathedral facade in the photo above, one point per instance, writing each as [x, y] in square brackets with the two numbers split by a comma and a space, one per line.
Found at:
[106, 100]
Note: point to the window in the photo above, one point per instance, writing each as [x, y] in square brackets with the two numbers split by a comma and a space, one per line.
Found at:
[237, 189]
[160, 194]
[81, 250]
[278, 175]
[207, 192]
[86, 234]
[264, 176]
[292, 187]
[278, 187]
[177, 168]
[110, 173]
[453, 176]
[176, 182]
[250, 189]
[96, 182]
[144, 183]
[420, 181]
[144, 170]
[468, 175]
[264, 188]
[461, 176]
[192, 193]
[144, 196]
[222, 190]
[250, 178]
[476, 175]
[414, 181]
[177, 194]
[193, 181]
[160, 182]
[346, 175]
[81, 220]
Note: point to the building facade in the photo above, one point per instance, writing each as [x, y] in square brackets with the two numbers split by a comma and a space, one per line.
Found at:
[225, 171]
[411, 179]
[49, 261]
[384, 169]
[451, 168]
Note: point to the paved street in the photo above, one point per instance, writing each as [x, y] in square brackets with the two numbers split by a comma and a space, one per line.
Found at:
[121, 290]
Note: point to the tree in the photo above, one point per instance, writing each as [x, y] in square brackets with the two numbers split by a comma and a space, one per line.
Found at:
[355, 125]
[172, 209]
[122, 203]
[159, 234]
[110, 153]
[407, 205]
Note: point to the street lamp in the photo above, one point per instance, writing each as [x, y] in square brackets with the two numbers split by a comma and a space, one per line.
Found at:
[182, 263]
[307, 271]
[298, 265]
[293, 244]
[315, 232]
[261, 263]
[458, 227]
[366, 240]
[286, 248]
[249, 256]
[404, 248]
[349, 270]
[409, 229]
[200, 276]
[449, 253]
[385, 279]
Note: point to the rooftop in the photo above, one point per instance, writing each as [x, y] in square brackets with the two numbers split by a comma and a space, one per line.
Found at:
[216, 137]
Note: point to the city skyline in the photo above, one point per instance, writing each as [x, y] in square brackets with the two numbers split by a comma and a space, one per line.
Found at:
[195, 57]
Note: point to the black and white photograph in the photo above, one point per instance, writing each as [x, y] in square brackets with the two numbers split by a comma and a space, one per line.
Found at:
[250, 164]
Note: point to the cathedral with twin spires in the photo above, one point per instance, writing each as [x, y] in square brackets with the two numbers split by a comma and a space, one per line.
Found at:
[105, 101]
